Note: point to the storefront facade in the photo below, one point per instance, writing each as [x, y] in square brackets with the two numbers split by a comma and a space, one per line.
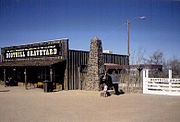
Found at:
[52, 61]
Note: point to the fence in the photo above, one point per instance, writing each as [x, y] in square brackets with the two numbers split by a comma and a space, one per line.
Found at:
[130, 82]
[161, 86]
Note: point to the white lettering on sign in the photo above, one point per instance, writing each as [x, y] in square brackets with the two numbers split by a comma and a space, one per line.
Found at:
[32, 52]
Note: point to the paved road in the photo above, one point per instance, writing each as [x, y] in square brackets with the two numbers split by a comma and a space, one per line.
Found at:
[20, 105]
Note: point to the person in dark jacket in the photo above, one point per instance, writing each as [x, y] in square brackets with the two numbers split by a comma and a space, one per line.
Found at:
[107, 80]
[115, 81]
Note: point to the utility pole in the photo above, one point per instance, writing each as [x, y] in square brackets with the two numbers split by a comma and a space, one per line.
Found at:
[128, 22]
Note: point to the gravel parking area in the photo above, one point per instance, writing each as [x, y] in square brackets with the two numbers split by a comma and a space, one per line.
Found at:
[33, 105]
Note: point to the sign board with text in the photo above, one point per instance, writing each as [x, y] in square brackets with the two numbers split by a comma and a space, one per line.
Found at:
[57, 48]
[48, 50]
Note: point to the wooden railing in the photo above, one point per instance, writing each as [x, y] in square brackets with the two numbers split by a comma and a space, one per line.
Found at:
[161, 86]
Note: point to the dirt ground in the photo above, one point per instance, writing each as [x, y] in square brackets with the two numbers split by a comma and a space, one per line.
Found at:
[33, 105]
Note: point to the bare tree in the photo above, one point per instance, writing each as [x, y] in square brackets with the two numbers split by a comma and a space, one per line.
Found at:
[156, 58]
[174, 64]
[138, 57]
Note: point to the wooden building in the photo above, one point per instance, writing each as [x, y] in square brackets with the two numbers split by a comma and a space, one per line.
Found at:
[52, 61]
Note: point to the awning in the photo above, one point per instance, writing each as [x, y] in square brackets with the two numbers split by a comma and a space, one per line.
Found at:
[30, 63]
[150, 66]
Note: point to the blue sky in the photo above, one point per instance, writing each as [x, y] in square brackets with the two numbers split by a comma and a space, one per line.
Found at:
[29, 21]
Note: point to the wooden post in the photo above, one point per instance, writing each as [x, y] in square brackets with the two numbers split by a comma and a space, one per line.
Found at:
[79, 79]
[128, 81]
[170, 74]
[45, 73]
[145, 81]
[5, 77]
[151, 72]
[139, 70]
[1, 58]
[51, 74]
[54, 78]
[170, 83]
[65, 79]
[66, 74]
[25, 77]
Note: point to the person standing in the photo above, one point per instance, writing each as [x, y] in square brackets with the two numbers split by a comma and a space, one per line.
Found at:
[115, 81]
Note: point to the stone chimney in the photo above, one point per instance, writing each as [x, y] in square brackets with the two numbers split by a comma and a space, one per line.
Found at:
[95, 65]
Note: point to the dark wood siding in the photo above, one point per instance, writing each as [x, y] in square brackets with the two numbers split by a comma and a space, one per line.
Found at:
[78, 58]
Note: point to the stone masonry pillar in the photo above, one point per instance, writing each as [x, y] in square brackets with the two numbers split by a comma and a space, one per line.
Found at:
[95, 65]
